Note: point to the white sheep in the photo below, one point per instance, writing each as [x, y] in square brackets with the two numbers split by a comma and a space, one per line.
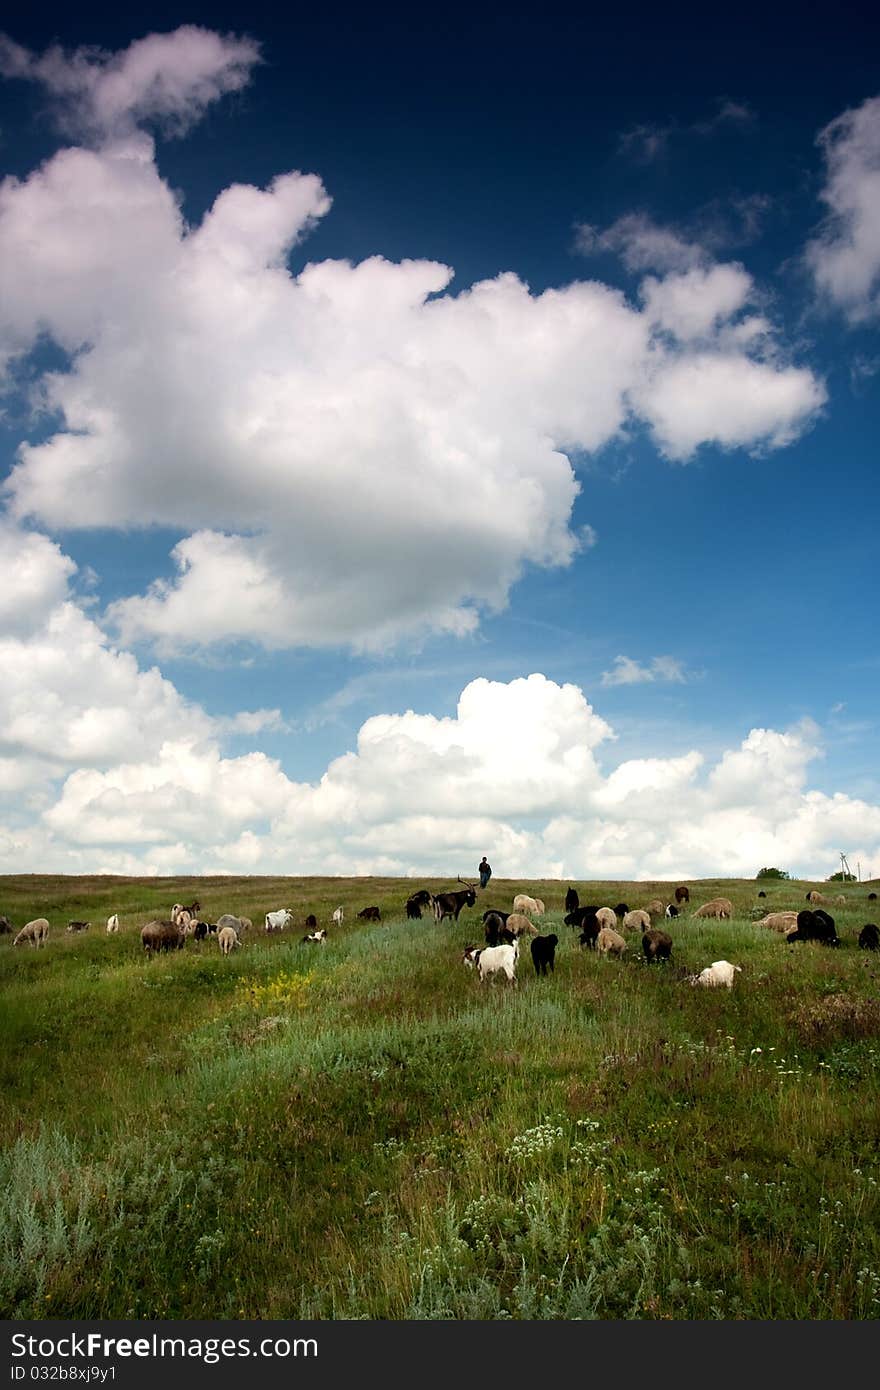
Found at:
[610, 943]
[779, 921]
[720, 972]
[606, 917]
[113, 923]
[227, 939]
[35, 932]
[523, 903]
[493, 960]
[637, 918]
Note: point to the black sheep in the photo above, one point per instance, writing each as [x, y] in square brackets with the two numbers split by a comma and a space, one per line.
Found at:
[571, 900]
[497, 932]
[544, 953]
[621, 909]
[657, 945]
[815, 926]
[590, 930]
[869, 937]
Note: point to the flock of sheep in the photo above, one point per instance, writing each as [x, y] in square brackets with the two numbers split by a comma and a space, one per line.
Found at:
[600, 928]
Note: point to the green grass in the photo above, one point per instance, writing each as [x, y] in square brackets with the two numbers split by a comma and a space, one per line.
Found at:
[363, 1131]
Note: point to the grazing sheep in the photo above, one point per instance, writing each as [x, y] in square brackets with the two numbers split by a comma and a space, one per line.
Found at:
[523, 903]
[621, 910]
[278, 920]
[338, 916]
[840, 899]
[610, 943]
[589, 932]
[495, 912]
[495, 960]
[719, 973]
[762, 894]
[370, 914]
[657, 945]
[814, 926]
[78, 926]
[606, 917]
[230, 920]
[655, 908]
[671, 910]
[161, 936]
[814, 896]
[571, 900]
[36, 933]
[113, 923]
[5, 924]
[872, 897]
[319, 936]
[682, 894]
[869, 937]
[227, 939]
[779, 921]
[580, 915]
[715, 907]
[544, 953]
[496, 929]
[637, 918]
[520, 925]
[245, 924]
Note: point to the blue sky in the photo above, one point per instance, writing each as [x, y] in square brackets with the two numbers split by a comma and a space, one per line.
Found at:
[358, 369]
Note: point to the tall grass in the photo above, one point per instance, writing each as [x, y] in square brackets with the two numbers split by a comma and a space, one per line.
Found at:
[363, 1130]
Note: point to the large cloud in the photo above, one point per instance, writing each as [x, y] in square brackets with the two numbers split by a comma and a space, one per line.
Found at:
[351, 454]
[522, 772]
[845, 257]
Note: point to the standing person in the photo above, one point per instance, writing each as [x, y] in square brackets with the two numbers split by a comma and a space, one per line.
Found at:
[485, 871]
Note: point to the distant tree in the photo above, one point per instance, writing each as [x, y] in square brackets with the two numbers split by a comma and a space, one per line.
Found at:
[841, 877]
[772, 873]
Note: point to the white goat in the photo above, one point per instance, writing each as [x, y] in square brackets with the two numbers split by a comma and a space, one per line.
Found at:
[277, 921]
[720, 972]
[113, 923]
[492, 960]
[338, 916]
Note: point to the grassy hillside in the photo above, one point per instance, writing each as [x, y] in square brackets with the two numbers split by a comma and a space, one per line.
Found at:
[362, 1130]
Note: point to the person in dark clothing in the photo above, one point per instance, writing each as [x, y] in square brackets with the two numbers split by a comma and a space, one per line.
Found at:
[485, 871]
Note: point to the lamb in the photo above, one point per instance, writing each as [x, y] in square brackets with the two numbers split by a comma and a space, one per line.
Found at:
[719, 973]
[682, 895]
[113, 923]
[657, 945]
[637, 918]
[715, 907]
[779, 921]
[36, 933]
[227, 939]
[494, 960]
[520, 925]
[544, 953]
[610, 943]
[606, 917]
[523, 903]
[869, 937]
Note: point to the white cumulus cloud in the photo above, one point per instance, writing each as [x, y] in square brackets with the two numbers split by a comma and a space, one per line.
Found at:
[845, 256]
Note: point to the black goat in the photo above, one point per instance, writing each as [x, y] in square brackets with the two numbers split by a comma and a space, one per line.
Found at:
[571, 900]
[544, 953]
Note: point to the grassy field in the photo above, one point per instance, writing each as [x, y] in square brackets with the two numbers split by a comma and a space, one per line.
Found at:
[361, 1130]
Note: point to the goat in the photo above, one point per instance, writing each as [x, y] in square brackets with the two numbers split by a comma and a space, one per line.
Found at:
[494, 960]
[416, 901]
[370, 914]
[451, 904]
[719, 973]
[319, 936]
[544, 953]
[5, 924]
[78, 926]
[571, 900]
[338, 916]
[278, 920]
[113, 923]
[671, 910]
[311, 920]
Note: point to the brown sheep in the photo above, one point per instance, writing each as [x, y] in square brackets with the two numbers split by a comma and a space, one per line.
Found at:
[682, 895]
[657, 945]
[814, 896]
[716, 907]
[162, 936]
